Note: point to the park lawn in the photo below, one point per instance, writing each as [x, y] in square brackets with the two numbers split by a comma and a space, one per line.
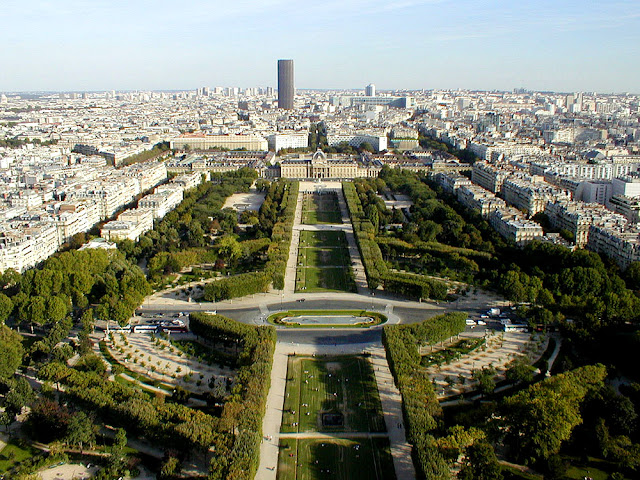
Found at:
[344, 385]
[13, 454]
[324, 257]
[339, 459]
[596, 468]
[323, 239]
[321, 209]
[333, 279]
[321, 218]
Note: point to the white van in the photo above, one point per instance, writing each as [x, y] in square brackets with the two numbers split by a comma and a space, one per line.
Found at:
[470, 321]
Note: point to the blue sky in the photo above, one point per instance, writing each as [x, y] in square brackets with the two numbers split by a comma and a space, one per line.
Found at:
[561, 45]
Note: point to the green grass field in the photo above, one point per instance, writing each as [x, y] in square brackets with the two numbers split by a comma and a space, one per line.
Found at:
[322, 239]
[343, 385]
[13, 454]
[318, 257]
[324, 263]
[339, 459]
[333, 279]
[321, 209]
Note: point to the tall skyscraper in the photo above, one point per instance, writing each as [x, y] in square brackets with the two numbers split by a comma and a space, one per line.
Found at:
[370, 90]
[286, 89]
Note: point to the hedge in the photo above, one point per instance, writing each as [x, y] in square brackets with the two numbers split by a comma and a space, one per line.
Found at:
[420, 404]
[414, 286]
[244, 411]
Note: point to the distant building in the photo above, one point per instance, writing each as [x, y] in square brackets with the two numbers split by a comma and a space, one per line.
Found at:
[357, 100]
[200, 141]
[370, 90]
[321, 166]
[278, 141]
[286, 88]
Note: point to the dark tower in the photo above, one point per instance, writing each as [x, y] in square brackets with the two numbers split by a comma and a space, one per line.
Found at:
[286, 90]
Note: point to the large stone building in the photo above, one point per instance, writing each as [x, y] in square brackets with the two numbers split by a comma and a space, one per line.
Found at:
[319, 166]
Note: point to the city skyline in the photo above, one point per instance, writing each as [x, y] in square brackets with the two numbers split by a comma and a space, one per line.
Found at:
[412, 44]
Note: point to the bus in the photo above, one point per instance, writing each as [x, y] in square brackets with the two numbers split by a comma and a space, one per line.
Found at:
[174, 329]
[145, 328]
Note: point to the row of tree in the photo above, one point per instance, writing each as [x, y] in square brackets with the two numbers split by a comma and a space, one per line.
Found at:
[420, 404]
[414, 286]
[244, 409]
[169, 424]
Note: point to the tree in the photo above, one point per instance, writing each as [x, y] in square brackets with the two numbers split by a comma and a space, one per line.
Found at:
[56, 309]
[80, 431]
[6, 419]
[117, 458]
[230, 248]
[20, 395]
[481, 463]
[48, 421]
[519, 370]
[6, 307]
[169, 468]
[537, 420]
[11, 352]
[485, 379]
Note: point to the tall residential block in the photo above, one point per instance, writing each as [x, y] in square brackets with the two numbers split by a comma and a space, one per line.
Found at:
[370, 90]
[286, 89]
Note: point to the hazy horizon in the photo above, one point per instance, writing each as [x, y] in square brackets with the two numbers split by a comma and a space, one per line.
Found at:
[560, 46]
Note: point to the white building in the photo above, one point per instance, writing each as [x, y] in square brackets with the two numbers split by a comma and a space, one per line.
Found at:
[278, 141]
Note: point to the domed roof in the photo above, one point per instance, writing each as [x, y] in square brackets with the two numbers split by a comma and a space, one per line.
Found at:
[319, 156]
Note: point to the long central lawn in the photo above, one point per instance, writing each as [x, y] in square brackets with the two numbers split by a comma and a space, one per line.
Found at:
[324, 263]
[322, 238]
[339, 459]
[344, 385]
[332, 279]
[323, 257]
[321, 209]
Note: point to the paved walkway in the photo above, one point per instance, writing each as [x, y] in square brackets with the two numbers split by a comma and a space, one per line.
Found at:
[389, 397]
[290, 273]
[392, 408]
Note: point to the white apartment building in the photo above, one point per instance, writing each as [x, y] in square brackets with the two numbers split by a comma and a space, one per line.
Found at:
[24, 247]
[578, 217]
[161, 202]
[200, 141]
[480, 200]
[489, 176]
[378, 142]
[513, 226]
[616, 240]
[110, 196]
[188, 180]
[130, 225]
[451, 182]
[531, 194]
[278, 141]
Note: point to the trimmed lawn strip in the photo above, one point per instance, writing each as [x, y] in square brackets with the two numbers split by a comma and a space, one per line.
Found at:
[330, 279]
[339, 459]
[205, 354]
[323, 238]
[342, 385]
